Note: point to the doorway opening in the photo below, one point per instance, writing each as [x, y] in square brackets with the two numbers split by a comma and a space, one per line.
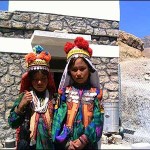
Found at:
[57, 67]
[57, 78]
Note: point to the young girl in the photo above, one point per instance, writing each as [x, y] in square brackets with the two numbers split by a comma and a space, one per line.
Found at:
[78, 122]
[32, 112]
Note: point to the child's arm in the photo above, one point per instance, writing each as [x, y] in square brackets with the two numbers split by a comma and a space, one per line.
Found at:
[15, 119]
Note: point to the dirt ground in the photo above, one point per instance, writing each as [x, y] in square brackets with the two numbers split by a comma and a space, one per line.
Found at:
[115, 146]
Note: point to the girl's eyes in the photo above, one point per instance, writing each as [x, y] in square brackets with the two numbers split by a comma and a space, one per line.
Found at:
[76, 69]
[42, 79]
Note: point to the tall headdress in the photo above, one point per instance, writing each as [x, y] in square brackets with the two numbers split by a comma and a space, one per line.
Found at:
[37, 60]
[79, 48]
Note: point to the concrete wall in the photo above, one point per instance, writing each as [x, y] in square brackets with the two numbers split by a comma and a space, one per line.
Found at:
[108, 10]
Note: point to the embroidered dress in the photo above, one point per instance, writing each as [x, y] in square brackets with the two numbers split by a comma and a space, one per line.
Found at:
[32, 112]
[93, 130]
[43, 134]
[78, 121]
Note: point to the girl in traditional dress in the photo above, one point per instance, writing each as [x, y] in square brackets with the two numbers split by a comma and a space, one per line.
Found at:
[78, 122]
[32, 112]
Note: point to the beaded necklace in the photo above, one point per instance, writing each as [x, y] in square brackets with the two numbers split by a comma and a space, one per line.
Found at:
[37, 104]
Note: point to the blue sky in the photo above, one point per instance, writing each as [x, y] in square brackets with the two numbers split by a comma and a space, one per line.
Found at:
[134, 16]
[3, 5]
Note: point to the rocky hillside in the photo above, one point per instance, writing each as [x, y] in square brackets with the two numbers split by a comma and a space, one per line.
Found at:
[131, 47]
[131, 40]
[146, 41]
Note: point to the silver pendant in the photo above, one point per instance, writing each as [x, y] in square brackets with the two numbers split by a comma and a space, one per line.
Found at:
[32, 142]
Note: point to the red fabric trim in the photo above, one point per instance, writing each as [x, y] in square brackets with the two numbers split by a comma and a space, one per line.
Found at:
[51, 84]
[25, 83]
[99, 96]
[50, 108]
[17, 134]
[35, 125]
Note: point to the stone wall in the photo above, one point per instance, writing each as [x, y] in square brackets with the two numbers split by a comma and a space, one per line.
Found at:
[22, 25]
[12, 66]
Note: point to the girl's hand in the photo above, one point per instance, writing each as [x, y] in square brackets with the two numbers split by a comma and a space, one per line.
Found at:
[27, 98]
[78, 145]
[71, 146]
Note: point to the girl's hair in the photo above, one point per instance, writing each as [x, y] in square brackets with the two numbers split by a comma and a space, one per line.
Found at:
[28, 76]
[33, 72]
[72, 62]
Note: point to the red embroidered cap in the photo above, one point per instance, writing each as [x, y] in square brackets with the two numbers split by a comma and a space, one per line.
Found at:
[80, 47]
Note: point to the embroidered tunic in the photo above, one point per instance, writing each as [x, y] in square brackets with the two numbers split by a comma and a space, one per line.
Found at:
[43, 132]
[88, 119]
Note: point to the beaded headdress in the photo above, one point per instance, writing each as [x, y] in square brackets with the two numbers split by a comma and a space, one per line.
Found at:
[38, 59]
[80, 47]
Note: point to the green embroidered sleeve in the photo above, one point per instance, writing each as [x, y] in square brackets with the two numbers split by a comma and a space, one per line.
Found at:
[14, 119]
[59, 116]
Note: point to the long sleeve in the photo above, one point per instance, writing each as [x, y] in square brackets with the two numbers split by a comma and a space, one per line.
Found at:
[94, 130]
[59, 116]
[14, 119]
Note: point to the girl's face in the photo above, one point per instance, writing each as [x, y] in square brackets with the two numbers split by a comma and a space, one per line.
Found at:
[39, 81]
[79, 71]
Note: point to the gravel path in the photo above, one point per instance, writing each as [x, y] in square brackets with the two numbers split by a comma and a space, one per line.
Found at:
[135, 96]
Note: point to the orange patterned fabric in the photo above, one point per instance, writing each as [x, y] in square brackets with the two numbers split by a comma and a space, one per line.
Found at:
[100, 101]
[33, 124]
[87, 110]
[71, 113]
